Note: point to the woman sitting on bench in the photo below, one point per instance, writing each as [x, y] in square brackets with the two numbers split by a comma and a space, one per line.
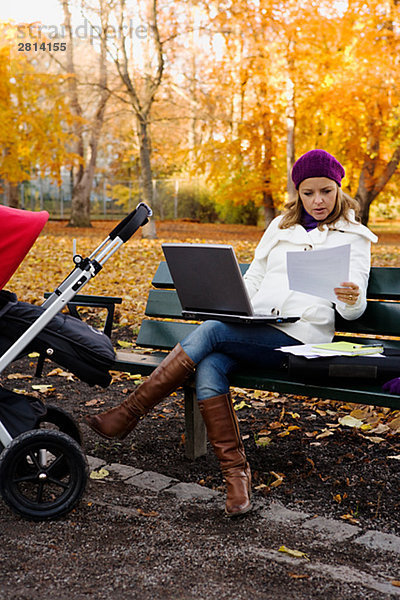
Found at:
[321, 216]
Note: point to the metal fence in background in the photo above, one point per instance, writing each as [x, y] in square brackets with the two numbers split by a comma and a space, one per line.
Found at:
[172, 198]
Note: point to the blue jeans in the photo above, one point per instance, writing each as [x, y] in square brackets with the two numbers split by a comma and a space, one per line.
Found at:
[217, 348]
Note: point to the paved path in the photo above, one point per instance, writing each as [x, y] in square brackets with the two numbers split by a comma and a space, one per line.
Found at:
[332, 547]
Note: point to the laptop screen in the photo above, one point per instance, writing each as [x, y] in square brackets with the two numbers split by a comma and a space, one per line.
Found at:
[207, 278]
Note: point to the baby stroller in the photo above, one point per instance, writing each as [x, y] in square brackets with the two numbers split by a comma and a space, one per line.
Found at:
[43, 470]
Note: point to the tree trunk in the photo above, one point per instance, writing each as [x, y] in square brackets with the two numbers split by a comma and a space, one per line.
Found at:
[268, 208]
[146, 176]
[80, 204]
[371, 184]
[290, 140]
[364, 198]
[142, 97]
[290, 121]
[12, 195]
[80, 213]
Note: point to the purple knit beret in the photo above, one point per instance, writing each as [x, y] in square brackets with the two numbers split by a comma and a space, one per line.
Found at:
[317, 163]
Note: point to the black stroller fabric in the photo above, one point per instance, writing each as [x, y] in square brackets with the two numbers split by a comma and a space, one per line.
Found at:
[66, 340]
[18, 412]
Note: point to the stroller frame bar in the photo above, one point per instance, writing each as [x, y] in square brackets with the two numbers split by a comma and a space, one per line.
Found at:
[84, 270]
[5, 437]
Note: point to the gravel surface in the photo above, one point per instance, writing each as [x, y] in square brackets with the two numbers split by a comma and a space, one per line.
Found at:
[123, 541]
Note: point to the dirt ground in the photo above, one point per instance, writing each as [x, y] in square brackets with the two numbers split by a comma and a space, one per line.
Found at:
[122, 544]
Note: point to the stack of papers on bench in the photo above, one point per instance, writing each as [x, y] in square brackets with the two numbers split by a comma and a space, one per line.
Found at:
[334, 349]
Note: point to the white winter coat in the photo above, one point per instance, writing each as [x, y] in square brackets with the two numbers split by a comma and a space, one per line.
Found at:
[267, 281]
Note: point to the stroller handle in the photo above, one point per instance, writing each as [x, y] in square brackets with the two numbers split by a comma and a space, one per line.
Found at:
[131, 223]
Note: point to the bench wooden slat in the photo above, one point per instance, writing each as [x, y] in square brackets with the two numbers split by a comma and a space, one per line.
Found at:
[134, 362]
[379, 317]
[384, 282]
[163, 335]
[163, 303]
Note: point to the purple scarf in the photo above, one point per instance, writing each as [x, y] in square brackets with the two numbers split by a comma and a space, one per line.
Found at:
[308, 221]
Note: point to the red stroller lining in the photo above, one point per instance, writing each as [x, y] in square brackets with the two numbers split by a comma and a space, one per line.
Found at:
[18, 231]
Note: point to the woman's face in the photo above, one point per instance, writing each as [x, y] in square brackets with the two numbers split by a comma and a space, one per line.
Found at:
[318, 195]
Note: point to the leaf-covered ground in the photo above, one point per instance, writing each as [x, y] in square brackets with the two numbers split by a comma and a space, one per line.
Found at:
[327, 457]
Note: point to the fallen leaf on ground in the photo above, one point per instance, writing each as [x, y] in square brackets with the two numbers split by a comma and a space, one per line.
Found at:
[298, 576]
[395, 582]
[60, 373]
[124, 344]
[395, 424]
[324, 434]
[374, 439]
[18, 376]
[262, 486]
[350, 518]
[379, 429]
[151, 513]
[100, 474]
[94, 402]
[263, 441]
[241, 405]
[396, 457]
[257, 404]
[278, 479]
[43, 388]
[295, 553]
[366, 427]
[349, 421]
[359, 413]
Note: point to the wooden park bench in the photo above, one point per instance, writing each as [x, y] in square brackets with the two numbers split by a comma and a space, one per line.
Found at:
[164, 328]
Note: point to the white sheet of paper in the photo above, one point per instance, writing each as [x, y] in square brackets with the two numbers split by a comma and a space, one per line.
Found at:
[317, 272]
[309, 351]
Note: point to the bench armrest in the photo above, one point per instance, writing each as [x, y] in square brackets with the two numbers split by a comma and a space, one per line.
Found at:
[107, 302]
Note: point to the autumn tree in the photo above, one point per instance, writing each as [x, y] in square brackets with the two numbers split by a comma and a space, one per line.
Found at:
[352, 110]
[140, 68]
[89, 122]
[377, 94]
[33, 114]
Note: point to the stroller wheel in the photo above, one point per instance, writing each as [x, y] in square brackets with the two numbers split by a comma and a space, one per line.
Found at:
[43, 474]
[61, 420]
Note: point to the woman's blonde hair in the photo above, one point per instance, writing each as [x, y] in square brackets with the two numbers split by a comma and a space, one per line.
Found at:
[344, 203]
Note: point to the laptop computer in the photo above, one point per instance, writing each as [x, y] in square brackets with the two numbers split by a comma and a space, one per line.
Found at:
[210, 285]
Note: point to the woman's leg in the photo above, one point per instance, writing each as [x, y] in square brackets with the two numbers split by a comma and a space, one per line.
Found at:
[224, 347]
[253, 344]
[177, 367]
[121, 420]
[223, 433]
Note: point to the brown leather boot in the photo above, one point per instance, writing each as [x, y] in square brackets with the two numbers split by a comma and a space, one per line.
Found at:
[224, 436]
[121, 420]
